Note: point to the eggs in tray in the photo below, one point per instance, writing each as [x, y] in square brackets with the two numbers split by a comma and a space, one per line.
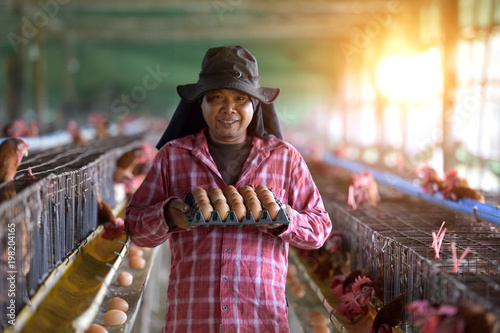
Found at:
[233, 207]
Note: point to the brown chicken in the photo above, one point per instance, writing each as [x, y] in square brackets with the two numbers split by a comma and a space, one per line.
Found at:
[431, 181]
[126, 164]
[113, 226]
[20, 128]
[101, 122]
[388, 316]
[363, 188]
[458, 188]
[12, 152]
[76, 133]
[465, 318]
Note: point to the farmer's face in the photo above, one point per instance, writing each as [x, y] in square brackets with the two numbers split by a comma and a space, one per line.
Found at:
[228, 113]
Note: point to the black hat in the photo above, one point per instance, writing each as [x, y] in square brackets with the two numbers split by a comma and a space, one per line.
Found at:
[228, 67]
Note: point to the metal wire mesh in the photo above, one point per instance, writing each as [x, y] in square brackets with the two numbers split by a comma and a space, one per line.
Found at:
[393, 241]
[48, 217]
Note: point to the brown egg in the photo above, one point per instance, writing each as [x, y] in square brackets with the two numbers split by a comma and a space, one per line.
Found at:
[239, 210]
[256, 208]
[114, 318]
[260, 188]
[206, 210]
[125, 279]
[214, 190]
[202, 201]
[136, 262]
[96, 328]
[135, 251]
[273, 210]
[117, 303]
[234, 197]
[318, 319]
[199, 192]
[266, 197]
[321, 329]
[223, 209]
[229, 189]
[299, 290]
[246, 191]
[292, 271]
[217, 197]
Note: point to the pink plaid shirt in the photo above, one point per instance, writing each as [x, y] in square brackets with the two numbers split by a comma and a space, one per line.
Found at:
[229, 279]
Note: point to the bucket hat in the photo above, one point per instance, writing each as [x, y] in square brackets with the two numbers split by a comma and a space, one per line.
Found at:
[228, 67]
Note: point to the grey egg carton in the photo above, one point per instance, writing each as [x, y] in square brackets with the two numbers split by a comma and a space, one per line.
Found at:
[195, 218]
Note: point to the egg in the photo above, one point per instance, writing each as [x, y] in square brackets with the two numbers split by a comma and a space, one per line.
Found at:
[96, 328]
[114, 318]
[321, 329]
[198, 191]
[240, 210]
[256, 208]
[216, 194]
[318, 319]
[135, 251]
[234, 197]
[246, 191]
[273, 210]
[136, 262]
[299, 290]
[260, 188]
[202, 201]
[229, 189]
[223, 209]
[206, 210]
[266, 197]
[117, 303]
[125, 279]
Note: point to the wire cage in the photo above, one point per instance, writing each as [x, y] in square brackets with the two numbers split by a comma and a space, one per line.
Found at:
[48, 218]
[393, 241]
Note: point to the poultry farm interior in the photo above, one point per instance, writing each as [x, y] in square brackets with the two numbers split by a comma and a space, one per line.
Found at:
[390, 241]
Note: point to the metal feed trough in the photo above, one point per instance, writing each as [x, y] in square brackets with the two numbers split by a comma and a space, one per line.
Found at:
[52, 213]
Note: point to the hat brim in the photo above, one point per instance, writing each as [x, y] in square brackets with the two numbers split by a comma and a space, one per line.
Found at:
[191, 92]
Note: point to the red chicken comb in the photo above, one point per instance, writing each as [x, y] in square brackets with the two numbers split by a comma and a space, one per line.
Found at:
[359, 282]
[451, 174]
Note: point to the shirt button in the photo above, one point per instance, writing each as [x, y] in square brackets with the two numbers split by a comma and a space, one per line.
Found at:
[224, 308]
[227, 250]
[224, 278]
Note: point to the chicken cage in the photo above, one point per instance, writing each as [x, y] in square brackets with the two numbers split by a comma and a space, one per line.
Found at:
[393, 241]
[54, 210]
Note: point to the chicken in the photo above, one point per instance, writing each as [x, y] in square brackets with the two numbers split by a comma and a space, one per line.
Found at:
[431, 181]
[113, 227]
[355, 302]
[12, 151]
[363, 188]
[76, 134]
[101, 122]
[457, 193]
[458, 188]
[335, 242]
[323, 268]
[452, 180]
[7, 191]
[346, 285]
[126, 164]
[388, 316]
[446, 318]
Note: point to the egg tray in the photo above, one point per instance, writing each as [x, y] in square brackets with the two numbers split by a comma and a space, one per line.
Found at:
[195, 217]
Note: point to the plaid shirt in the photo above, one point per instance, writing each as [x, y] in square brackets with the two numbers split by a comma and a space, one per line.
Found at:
[229, 279]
